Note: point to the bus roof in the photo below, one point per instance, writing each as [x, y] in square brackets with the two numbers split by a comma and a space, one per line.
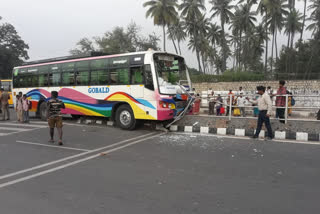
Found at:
[83, 58]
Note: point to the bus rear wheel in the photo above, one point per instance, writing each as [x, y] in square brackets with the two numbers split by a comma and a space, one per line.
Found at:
[125, 118]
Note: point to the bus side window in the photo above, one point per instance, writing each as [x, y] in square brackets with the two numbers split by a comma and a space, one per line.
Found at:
[68, 79]
[136, 75]
[148, 77]
[68, 76]
[114, 76]
[43, 80]
[16, 82]
[99, 74]
[35, 81]
[119, 76]
[43, 76]
[54, 75]
[82, 77]
[82, 72]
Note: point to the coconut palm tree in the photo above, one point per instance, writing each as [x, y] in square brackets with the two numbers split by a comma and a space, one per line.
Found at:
[248, 19]
[172, 36]
[214, 35]
[178, 33]
[191, 11]
[163, 13]
[304, 19]
[222, 9]
[236, 28]
[314, 18]
[263, 10]
[293, 25]
[277, 11]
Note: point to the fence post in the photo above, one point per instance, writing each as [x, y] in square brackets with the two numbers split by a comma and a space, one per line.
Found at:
[286, 112]
[230, 107]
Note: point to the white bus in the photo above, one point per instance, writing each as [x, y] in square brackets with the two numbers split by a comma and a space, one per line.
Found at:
[126, 87]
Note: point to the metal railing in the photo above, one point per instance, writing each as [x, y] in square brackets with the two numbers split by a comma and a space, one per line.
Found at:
[230, 98]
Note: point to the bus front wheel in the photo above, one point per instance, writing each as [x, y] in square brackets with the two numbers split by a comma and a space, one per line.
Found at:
[125, 117]
[43, 111]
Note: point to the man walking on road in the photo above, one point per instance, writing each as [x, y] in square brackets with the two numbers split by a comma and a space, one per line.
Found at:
[265, 109]
[54, 116]
[4, 100]
[281, 101]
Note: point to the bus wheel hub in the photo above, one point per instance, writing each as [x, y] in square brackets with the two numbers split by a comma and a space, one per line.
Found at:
[125, 117]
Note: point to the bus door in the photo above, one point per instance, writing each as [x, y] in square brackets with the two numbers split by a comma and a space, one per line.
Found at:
[137, 81]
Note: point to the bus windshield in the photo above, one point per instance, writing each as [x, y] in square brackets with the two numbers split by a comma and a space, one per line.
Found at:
[170, 70]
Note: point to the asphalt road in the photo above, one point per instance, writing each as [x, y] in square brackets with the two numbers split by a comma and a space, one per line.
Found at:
[108, 170]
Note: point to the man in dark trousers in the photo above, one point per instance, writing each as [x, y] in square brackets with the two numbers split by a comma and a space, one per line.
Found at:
[265, 109]
[54, 116]
[281, 101]
[4, 101]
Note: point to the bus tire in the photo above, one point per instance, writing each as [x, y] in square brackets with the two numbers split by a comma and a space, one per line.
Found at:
[125, 117]
[43, 111]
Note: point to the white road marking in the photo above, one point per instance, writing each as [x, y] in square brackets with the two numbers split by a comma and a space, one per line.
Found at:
[53, 146]
[75, 162]
[39, 122]
[248, 138]
[23, 125]
[14, 129]
[72, 157]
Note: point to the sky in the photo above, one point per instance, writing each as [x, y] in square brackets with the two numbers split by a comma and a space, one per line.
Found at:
[52, 28]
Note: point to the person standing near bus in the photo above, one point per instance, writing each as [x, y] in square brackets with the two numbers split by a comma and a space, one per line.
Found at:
[19, 107]
[4, 98]
[54, 106]
[25, 108]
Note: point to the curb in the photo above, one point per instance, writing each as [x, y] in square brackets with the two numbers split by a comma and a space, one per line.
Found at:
[278, 135]
[97, 122]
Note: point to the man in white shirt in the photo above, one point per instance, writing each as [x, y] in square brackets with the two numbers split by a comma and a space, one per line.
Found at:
[241, 102]
[265, 110]
[241, 91]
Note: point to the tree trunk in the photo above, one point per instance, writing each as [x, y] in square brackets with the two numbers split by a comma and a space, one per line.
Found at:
[304, 19]
[224, 58]
[292, 38]
[240, 50]
[198, 58]
[196, 47]
[272, 48]
[175, 46]
[289, 36]
[276, 44]
[203, 64]
[266, 55]
[179, 47]
[235, 56]
[164, 37]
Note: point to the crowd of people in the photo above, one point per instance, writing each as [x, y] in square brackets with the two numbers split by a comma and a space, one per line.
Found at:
[240, 102]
